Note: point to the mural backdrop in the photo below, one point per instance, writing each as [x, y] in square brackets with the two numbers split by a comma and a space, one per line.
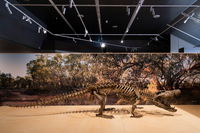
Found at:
[36, 75]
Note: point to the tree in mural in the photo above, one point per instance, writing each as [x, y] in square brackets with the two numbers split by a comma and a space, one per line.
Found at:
[6, 80]
[60, 71]
[47, 71]
[169, 71]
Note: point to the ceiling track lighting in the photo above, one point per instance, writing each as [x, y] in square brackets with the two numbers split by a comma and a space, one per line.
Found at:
[40, 29]
[152, 10]
[137, 9]
[8, 8]
[43, 30]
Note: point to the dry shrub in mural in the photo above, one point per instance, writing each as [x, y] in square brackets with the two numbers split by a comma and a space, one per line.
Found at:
[51, 74]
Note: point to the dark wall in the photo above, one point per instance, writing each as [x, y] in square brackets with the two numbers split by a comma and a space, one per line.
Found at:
[18, 31]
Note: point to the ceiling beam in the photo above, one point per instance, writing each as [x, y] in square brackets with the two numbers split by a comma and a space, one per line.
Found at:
[79, 15]
[91, 5]
[196, 38]
[137, 9]
[98, 16]
[112, 34]
[62, 16]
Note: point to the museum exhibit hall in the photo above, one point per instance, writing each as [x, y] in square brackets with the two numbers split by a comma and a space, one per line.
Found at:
[99, 66]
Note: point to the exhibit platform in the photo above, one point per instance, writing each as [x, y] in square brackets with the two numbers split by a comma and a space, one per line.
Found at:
[82, 119]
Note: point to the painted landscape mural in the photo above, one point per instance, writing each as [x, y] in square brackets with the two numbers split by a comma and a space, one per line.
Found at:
[39, 75]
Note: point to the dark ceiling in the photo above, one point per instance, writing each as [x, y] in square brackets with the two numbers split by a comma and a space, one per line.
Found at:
[114, 17]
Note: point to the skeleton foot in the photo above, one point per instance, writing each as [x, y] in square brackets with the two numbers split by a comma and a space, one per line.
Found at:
[139, 107]
[108, 109]
[136, 115]
[105, 116]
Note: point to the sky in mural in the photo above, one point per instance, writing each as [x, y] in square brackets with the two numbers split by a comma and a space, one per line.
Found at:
[15, 63]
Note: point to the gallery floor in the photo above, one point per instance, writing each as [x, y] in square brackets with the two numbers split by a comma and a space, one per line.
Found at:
[82, 119]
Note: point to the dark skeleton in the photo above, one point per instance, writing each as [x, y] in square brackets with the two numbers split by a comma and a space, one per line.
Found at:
[132, 95]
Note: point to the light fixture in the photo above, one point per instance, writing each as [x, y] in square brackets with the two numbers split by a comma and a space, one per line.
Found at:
[23, 17]
[44, 31]
[188, 18]
[127, 30]
[115, 26]
[122, 41]
[71, 3]
[155, 39]
[90, 40]
[74, 40]
[81, 15]
[27, 19]
[7, 6]
[152, 10]
[63, 9]
[128, 10]
[39, 28]
[103, 45]
[86, 32]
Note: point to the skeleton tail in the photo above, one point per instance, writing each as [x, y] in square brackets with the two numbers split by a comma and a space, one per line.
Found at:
[54, 99]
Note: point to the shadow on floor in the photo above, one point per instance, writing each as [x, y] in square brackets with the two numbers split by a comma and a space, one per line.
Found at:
[112, 112]
[192, 109]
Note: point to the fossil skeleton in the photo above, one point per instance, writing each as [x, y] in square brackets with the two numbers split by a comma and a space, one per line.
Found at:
[130, 94]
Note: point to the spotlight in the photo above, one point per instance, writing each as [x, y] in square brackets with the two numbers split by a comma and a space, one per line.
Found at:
[128, 10]
[23, 17]
[39, 28]
[74, 40]
[27, 19]
[152, 10]
[7, 6]
[71, 3]
[86, 32]
[63, 9]
[90, 40]
[122, 41]
[103, 45]
[186, 20]
[44, 31]
[155, 39]
[189, 17]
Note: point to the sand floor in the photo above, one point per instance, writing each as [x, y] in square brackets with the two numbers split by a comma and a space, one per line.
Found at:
[82, 119]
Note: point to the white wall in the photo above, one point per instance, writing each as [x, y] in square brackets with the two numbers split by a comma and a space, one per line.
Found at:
[177, 43]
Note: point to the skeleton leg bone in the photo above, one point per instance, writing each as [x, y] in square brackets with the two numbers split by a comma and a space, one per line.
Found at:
[102, 100]
[134, 106]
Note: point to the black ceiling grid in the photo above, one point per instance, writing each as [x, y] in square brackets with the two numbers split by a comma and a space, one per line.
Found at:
[114, 20]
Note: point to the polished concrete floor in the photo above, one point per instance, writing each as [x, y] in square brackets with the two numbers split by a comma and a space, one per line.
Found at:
[82, 119]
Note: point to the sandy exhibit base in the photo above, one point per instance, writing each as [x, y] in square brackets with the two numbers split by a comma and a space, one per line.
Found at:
[82, 119]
